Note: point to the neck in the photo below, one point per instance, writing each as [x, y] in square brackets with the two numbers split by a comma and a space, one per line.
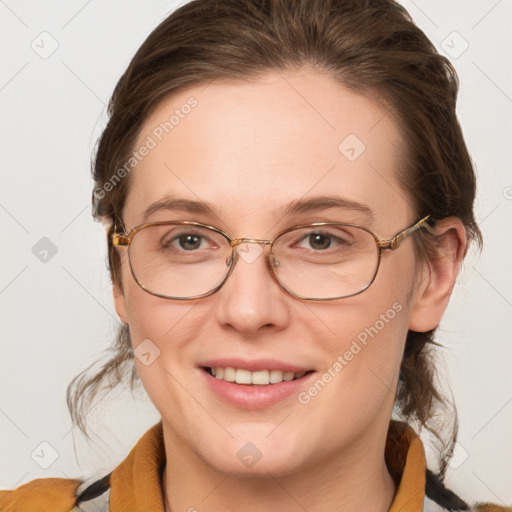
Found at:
[352, 480]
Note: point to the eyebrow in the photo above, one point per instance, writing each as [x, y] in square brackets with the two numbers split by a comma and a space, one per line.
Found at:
[296, 207]
[312, 204]
[171, 203]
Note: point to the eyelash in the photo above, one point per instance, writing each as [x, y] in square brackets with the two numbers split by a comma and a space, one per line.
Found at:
[168, 239]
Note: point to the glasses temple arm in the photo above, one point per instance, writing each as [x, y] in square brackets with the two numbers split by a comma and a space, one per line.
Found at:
[394, 243]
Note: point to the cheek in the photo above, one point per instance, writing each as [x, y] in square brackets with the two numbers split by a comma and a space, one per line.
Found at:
[157, 334]
[149, 317]
[160, 320]
[364, 347]
[356, 386]
[160, 332]
[367, 338]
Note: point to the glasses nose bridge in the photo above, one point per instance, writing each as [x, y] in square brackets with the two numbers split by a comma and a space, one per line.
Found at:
[249, 240]
[268, 257]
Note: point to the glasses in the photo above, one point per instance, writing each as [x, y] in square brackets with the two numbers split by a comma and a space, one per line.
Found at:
[321, 261]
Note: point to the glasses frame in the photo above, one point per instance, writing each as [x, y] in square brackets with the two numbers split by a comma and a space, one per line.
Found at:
[125, 239]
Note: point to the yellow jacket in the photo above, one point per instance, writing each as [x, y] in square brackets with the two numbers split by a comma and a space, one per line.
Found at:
[135, 485]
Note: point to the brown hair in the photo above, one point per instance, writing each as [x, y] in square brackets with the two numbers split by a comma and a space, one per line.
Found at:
[370, 46]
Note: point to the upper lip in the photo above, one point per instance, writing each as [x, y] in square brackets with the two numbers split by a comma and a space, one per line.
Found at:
[254, 364]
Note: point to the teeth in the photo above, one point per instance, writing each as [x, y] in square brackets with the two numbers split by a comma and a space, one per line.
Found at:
[229, 374]
[287, 376]
[276, 376]
[260, 377]
[242, 376]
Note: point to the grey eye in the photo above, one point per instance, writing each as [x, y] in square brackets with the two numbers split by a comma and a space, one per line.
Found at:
[189, 242]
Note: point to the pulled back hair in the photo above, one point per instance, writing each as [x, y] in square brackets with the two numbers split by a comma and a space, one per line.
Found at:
[371, 47]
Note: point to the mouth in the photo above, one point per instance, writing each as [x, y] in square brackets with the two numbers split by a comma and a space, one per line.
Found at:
[260, 378]
[255, 383]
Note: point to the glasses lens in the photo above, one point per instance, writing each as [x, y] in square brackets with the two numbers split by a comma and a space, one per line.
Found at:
[179, 261]
[323, 262]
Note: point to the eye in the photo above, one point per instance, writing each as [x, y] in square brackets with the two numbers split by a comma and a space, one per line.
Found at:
[323, 240]
[189, 242]
[186, 241]
[319, 241]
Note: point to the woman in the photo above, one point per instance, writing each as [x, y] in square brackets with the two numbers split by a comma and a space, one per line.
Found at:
[288, 199]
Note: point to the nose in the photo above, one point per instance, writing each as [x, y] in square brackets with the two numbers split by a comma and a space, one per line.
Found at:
[250, 300]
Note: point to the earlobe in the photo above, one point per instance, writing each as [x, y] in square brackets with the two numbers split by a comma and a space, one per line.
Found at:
[119, 303]
[439, 273]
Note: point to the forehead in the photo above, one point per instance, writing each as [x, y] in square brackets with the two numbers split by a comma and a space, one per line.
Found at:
[248, 148]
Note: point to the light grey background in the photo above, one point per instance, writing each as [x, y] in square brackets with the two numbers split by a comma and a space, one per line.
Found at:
[57, 316]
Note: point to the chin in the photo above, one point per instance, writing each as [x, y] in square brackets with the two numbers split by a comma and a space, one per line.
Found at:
[254, 464]
[255, 453]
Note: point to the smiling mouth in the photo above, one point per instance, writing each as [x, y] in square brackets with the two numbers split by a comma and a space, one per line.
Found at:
[256, 378]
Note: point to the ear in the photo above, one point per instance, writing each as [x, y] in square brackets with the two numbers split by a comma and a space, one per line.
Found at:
[438, 275]
[120, 303]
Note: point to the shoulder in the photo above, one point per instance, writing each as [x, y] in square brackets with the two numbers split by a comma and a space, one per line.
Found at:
[41, 495]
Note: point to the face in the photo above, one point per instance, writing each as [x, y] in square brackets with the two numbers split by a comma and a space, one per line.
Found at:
[249, 150]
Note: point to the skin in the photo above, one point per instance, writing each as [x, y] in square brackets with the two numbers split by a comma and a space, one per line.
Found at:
[249, 148]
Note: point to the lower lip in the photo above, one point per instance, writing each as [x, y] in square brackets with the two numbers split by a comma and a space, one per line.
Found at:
[247, 396]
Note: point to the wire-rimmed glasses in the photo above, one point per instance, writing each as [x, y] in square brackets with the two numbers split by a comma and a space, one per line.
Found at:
[321, 261]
